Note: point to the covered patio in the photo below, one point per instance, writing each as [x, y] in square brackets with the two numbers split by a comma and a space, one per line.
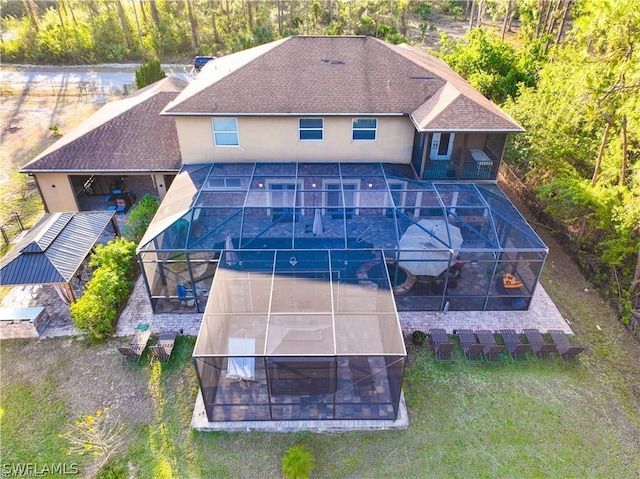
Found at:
[53, 254]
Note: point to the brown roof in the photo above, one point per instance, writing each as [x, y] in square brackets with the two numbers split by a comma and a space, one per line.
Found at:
[124, 135]
[340, 75]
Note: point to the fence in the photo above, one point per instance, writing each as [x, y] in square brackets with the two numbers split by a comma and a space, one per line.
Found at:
[598, 273]
[70, 88]
[11, 228]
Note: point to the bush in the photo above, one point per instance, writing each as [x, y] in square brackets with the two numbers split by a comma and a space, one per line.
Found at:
[119, 254]
[140, 218]
[298, 463]
[149, 73]
[96, 311]
[114, 469]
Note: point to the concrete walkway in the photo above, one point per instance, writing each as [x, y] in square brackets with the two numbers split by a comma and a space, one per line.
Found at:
[542, 314]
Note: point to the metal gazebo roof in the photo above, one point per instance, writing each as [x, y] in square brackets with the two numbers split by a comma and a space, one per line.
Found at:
[53, 250]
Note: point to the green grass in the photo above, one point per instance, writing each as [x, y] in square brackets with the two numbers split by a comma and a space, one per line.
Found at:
[32, 416]
[542, 419]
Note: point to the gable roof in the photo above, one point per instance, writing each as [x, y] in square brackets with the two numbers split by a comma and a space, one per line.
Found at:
[340, 75]
[52, 251]
[125, 135]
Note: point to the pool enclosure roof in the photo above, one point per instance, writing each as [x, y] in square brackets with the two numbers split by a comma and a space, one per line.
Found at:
[330, 206]
[303, 305]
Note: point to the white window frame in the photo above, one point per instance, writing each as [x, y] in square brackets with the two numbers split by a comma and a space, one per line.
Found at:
[297, 194]
[228, 184]
[315, 128]
[434, 147]
[224, 145]
[354, 129]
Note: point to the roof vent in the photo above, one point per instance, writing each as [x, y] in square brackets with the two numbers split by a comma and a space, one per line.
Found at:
[421, 78]
[332, 62]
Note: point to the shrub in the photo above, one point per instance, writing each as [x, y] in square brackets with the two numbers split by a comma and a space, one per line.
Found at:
[298, 463]
[114, 469]
[96, 311]
[396, 38]
[149, 73]
[97, 435]
[140, 218]
[119, 254]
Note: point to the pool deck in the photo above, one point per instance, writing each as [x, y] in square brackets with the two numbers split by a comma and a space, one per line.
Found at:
[542, 314]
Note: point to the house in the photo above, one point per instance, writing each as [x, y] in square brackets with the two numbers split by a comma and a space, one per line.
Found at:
[326, 184]
[124, 150]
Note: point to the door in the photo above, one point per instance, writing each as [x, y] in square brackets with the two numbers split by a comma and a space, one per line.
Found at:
[334, 199]
[441, 146]
[283, 196]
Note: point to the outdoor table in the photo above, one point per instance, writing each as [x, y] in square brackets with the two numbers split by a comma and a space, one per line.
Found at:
[426, 248]
[483, 162]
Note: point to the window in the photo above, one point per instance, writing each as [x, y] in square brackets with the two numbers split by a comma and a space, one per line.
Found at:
[364, 128]
[223, 183]
[283, 197]
[225, 132]
[311, 129]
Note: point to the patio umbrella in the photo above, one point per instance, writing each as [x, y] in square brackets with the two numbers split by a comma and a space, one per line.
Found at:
[230, 257]
[422, 245]
[317, 223]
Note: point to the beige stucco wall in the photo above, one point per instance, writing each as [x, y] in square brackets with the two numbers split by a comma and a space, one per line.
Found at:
[57, 192]
[276, 139]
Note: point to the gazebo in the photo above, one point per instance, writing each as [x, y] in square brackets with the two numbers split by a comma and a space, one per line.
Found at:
[52, 252]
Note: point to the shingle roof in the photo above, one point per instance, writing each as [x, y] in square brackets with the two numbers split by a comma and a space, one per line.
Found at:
[52, 251]
[124, 135]
[340, 75]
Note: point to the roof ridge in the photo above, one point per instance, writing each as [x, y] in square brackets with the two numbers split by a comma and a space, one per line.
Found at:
[435, 105]
[206, 78]
[108, 113]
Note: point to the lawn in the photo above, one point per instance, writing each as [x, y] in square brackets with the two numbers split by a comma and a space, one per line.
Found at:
[541, 419]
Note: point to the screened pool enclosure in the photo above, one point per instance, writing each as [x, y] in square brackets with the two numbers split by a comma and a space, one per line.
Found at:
[301, 340]
[301, 269]
[445, 245]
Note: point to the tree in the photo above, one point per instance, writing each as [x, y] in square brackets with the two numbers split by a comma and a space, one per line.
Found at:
[149, 73]
[492, 66]
[582, 145]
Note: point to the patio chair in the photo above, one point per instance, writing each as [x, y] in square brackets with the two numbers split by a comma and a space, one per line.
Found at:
[516, 348]
[162, 350]
[568, 352]
[136, 347]
[472, 350]
[438, 335]
[444, 352]
[361, 373]
[493, 352]
[129, 353]
[539, 347]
